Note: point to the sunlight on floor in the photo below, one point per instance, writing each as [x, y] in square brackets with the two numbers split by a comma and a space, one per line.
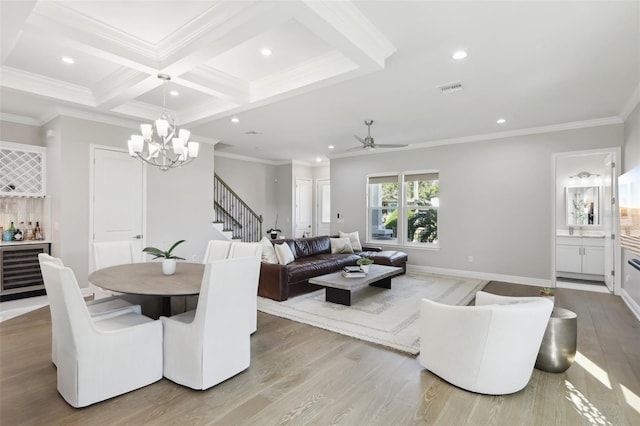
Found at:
[590, 413]
[632, 399]
[593, 369]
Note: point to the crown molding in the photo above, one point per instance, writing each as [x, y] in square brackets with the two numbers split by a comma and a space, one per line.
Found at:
[247, 158]
[631, 104]
[45, 87]
[19, 119]
[606, 121]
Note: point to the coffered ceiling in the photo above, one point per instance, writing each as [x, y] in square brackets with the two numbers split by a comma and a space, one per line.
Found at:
[332, 65]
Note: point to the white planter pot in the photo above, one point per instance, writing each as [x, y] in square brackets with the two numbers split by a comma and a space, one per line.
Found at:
[168, 266]
[365, 268]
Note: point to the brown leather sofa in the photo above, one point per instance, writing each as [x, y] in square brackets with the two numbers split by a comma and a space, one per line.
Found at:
[313, 257]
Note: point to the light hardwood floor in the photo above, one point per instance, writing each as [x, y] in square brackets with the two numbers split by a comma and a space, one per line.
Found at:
[304, 375]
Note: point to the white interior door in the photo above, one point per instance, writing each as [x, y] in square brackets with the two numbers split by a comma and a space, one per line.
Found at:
[303, 207]
[323, 207]
[118, 199]
[608, 222]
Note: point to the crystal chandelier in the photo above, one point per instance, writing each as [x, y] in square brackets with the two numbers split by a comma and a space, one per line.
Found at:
[161, 144]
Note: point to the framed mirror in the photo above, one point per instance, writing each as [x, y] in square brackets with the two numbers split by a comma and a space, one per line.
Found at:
[583, 206]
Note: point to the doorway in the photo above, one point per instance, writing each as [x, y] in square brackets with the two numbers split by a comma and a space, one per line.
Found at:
[117, 208]
[323, 207]
[584, 253]
[303, 208]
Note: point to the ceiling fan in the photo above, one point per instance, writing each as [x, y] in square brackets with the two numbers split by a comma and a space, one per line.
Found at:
[368, 143]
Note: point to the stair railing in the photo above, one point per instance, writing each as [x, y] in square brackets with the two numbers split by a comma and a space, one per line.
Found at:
[234, 213]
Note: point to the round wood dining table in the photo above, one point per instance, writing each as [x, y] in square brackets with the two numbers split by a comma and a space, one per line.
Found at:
[147, 279]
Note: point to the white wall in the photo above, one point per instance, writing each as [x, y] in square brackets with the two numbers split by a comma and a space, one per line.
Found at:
[495, 201]
[631, 154]
[21, 133]
[179, 202]
[180, 206]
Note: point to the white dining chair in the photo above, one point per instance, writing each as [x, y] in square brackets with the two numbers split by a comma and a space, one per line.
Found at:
[98, 309]
[210, 344]
[98, 360]
[216, 250]
[110, 253]
[242, 249]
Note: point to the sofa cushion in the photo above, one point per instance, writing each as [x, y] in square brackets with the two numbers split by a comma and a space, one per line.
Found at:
[284, 254]
[354, 237]
[386, 257]
[268, 252]
[341, 245]
[305, 247]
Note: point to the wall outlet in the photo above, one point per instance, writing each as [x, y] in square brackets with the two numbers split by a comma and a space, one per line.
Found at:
[470, 259]
[194, 257]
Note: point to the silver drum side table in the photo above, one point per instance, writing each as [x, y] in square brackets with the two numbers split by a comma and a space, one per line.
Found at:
[558, 348]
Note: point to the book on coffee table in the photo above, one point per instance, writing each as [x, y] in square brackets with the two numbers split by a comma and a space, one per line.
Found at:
[353, 272]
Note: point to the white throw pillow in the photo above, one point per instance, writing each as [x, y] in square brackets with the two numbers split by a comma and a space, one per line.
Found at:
[341, 245]
[268, 252]
[285, 256]
[354, 238]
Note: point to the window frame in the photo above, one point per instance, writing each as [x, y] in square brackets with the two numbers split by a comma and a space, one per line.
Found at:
[403, 207]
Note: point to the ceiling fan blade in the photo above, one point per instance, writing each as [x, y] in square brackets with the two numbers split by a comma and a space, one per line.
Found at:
[355, 148]
[389, 145]
[360, 139]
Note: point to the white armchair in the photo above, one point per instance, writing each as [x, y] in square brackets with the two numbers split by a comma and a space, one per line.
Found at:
[243, 250]
[110, 253]
[98, 360]
[210, 344]
[489, 348]
[98, 309]
[216, 250]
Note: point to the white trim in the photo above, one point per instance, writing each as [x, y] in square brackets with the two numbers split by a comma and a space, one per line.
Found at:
[596, 288]
[606, 121]
[633, 306]
[539, 282]
[631, 104]
[12, 118]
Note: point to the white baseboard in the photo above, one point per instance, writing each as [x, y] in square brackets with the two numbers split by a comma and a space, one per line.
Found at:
[539, 282]
[633, 306]
[585, 287]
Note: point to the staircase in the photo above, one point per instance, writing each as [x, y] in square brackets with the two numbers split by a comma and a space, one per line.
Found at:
[234, 219]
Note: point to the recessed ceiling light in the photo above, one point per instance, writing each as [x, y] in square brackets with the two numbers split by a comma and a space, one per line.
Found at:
[174, 93]
[331, 147]
[459, 54]
[318, 159]
[266, 52]
[68, 60]
[235, 120]
[501, 121]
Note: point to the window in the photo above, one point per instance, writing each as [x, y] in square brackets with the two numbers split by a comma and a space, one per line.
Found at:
[383, 198]
[417, 203]
[421, 200]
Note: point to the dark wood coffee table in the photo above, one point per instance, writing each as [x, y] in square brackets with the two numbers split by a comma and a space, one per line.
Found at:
[338, 288]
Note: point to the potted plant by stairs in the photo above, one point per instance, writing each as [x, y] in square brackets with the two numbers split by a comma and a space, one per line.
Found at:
[364, 263]
[168, 259]
[273, 232]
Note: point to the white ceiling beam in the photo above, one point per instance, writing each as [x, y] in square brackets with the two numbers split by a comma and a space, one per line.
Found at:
[11, 25]
[46, 87]
[124, 86]
[348, 30]
[213, 82]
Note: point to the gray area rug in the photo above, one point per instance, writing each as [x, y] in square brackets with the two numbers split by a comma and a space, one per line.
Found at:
[386, 317]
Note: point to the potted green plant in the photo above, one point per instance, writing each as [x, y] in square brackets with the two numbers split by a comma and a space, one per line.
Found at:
[168, 259]
[546, 292]
[273, 232]
[364, 263]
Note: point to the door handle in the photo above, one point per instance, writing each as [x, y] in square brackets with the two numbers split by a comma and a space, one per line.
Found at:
[137, 237]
